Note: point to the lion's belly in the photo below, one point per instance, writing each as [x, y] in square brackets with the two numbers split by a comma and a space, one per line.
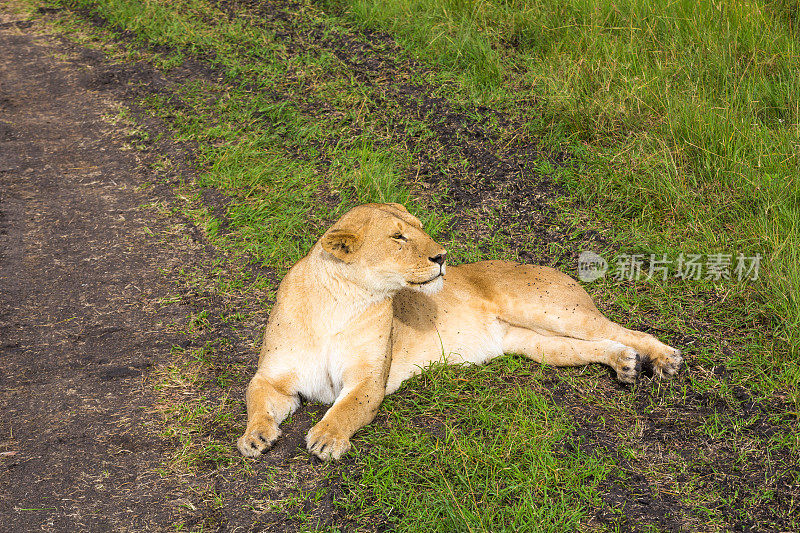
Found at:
[469, 341]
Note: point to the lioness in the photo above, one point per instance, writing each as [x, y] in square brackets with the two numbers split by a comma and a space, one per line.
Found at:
[371, 305]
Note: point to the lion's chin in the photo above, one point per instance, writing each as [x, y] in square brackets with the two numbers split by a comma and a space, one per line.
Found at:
[431, 287]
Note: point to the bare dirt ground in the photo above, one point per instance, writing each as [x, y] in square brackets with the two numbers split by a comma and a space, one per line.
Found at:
[81, 312]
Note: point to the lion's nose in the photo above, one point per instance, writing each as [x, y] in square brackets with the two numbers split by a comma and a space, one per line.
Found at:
[438, 259]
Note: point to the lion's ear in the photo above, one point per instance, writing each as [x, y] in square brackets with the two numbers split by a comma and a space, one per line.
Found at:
[342, 243]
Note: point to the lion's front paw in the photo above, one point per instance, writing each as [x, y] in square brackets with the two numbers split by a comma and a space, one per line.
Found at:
[257, 438]
[325, 443]
[627, 363]
[667, 363]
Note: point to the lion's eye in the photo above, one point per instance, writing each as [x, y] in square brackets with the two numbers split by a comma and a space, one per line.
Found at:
[399, 236]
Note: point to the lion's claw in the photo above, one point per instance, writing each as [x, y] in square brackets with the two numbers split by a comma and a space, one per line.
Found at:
[322, 442]
[628, 364]
[257, 440]
[668, 364]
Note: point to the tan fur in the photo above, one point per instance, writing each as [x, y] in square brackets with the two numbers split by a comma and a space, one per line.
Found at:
[360, 314]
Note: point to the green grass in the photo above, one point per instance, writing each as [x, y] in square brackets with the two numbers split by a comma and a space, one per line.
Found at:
[190, 419]
[480, 455]
[245, 136]
[663, 160]
[687, 112]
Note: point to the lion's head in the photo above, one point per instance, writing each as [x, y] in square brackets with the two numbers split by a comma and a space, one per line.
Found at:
[383, 249]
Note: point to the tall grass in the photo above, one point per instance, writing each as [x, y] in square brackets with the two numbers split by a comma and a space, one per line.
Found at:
[690, 110]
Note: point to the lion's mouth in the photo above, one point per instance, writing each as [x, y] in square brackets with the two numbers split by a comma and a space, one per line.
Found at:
[434, 278]
[431, 286]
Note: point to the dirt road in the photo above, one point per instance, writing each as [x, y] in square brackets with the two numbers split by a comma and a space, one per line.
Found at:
[81, 318]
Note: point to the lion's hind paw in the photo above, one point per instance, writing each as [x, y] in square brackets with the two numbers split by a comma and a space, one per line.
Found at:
[668, 363]
[628, 363]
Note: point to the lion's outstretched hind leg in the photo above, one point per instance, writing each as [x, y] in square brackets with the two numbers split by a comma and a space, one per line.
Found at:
[549, 302]
[567, 351]
[591, 325]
